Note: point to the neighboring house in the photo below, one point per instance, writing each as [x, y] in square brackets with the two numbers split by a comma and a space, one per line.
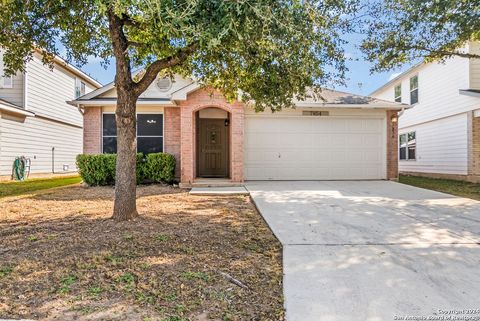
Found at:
[440, 135]
[35, 120]
[342, 137]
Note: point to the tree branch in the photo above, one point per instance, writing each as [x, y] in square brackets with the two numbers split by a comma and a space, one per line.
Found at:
[446, 53]
[152, 71]
[123, 77]
[135, 43]
[128, 21]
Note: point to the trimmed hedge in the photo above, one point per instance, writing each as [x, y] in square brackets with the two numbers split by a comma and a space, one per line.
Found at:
[100, 169]
[160, 167]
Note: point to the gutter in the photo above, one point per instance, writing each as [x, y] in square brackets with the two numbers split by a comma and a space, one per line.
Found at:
[16, 111]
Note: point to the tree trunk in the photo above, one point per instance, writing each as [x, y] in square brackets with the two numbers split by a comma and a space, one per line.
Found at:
[125, 207]
[125, 176]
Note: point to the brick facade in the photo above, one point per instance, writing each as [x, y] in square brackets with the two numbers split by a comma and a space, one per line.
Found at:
[180, 135]
[392, 144]
[92, 130]
[196, 101]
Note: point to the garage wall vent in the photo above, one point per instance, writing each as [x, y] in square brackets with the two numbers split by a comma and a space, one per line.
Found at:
[315, 113]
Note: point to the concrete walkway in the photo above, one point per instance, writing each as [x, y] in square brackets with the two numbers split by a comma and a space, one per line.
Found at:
[372, 250]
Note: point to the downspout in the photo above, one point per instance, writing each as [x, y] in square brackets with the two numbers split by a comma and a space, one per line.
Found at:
[53, 159]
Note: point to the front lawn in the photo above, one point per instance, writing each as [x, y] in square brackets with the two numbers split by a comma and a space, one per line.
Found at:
[9, 188]
[62, 258]
[458, 188]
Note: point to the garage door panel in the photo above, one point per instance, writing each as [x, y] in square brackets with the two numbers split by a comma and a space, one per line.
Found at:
[296, 148]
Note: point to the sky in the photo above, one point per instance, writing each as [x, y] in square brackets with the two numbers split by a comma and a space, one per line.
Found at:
[358, 80]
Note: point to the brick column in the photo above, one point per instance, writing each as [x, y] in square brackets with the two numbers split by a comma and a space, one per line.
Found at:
[92, 130]
[204, 98]
[171, 139]
[392, 145]
[473, 148]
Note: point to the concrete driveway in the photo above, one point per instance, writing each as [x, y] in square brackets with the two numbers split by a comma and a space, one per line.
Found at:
[373, 250]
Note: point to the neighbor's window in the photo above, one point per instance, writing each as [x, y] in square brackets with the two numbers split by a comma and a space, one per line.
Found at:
[398, 93]
[413, 90]
[149, 133]
[407, 146]
[79, 88]
[5, 82]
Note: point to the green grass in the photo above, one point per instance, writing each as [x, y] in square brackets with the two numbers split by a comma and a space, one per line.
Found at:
[458, 188]
[35, 184]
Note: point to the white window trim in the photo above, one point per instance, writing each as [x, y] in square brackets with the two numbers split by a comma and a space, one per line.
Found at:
[406, 152]
[394, 94]
[136, 129]
[78, 84]
[410, 89]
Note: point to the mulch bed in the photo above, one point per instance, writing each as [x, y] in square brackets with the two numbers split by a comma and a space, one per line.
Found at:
[63, 258]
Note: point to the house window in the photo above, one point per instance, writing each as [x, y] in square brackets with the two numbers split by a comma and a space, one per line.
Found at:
[149, 133]
[109, 128]
[408, 146]
[5, 82]
[398, 93]
[79, 88]
[413, 90]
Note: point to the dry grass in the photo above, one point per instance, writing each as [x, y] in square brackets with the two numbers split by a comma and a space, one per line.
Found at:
[62, 258]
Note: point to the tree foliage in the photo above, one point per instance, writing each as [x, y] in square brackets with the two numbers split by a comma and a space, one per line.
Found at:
[400, 31]
[270, 50]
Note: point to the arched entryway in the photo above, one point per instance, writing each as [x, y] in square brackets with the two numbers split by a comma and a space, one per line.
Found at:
[213, 143]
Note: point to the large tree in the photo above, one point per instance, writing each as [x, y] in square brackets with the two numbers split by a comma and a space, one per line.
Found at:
[401, 31]
[269, 50]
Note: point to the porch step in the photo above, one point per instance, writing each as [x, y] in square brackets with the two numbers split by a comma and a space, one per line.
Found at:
[211, 182]
[230, 190]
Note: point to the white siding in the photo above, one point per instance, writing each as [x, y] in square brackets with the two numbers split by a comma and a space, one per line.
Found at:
[442, 147]
[34, 138]
[440, 116]
[48, 91]
[153, 91]
[438, 92]
[474, 48]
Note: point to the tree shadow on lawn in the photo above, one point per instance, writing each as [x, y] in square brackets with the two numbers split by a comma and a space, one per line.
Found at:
[63, 256]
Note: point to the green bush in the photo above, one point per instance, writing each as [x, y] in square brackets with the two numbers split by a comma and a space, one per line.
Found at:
[97, 169]
[100, 169]
[160, 167]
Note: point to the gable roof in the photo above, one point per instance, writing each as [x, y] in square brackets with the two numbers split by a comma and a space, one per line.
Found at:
[395, 79]
[336, 98]
[329, 98]
[76, 71]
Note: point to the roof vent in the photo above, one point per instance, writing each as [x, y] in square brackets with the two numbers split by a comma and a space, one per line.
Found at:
[164, 84]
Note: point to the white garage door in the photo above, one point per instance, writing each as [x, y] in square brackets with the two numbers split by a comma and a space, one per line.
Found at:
[314, 148]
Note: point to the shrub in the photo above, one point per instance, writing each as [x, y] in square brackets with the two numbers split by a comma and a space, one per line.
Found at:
[97, 169]
[100, 169]
[160, 167]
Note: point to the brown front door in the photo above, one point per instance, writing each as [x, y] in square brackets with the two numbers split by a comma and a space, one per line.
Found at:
[212, 148]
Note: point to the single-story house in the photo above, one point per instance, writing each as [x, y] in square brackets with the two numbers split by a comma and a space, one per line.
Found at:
[340, 137]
